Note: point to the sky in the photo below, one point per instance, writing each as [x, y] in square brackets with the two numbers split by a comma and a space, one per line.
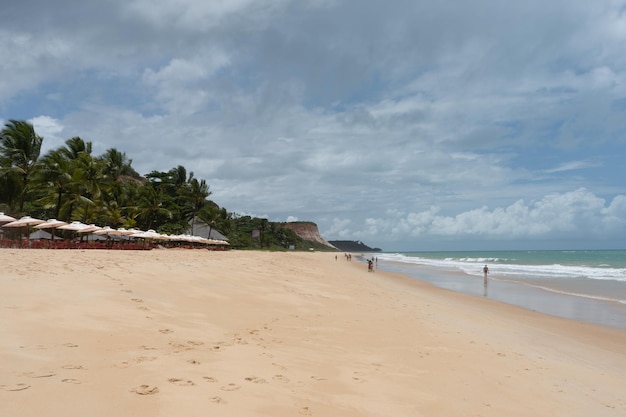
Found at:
[404, 124]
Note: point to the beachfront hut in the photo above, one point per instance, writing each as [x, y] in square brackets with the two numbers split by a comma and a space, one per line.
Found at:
[203, 230]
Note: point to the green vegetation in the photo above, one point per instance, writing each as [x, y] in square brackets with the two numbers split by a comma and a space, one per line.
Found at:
[70, 183]
[271, 235]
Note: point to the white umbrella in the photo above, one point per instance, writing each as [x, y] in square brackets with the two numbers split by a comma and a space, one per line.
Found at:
[149, 234]
[106, 230]
[4, 218]
[25, 221]
[218, 242]
[80, 227]
[90, 229]
[51, 224]
[75, 226]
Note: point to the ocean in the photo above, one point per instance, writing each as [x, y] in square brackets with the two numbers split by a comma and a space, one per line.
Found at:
[586, 285]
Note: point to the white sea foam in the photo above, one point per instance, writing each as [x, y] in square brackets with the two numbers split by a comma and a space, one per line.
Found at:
[473, 266]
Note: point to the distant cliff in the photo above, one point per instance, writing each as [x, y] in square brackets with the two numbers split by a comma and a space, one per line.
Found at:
[352, 246]
[307, 231]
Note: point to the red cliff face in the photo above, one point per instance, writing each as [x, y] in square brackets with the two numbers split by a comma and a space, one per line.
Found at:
[307, 231]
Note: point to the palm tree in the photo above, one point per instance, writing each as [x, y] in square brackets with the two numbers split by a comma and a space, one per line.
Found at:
[194, 199]
[55, 177]
[86, 174]
[150, 208]
[209, 215]
[10, 186]
[118, 165]
[74, 147]
[20, 147]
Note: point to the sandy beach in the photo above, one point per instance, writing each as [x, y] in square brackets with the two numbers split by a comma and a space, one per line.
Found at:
[243, 333]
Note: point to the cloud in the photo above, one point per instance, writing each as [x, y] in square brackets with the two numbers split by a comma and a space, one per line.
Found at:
[573, 165]
[388, 121]
[571, 215]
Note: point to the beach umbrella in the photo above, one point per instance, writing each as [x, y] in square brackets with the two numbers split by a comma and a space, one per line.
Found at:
[75, 226]
[218, 242]
[91, 228]
[106, 231]
[149, 234]
[25, 222]
[4, 218]
[51, 224]
[78, 227]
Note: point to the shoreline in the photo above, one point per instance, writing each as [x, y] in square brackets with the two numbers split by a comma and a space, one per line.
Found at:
[534, 295]
[194, 332]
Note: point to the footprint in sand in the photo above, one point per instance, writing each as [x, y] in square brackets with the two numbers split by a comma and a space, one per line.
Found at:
[166, 331]
[145, 359]
[230, 387]
[218, 400]
[71, 381]
[145, 390]
[15, 387]
[195, 343]
[181, 382]
[137, 300]
[38, 347]
[256, 380]
[193, 362]
[280, 378]
[144, 347]
[209, 379]
[71, 345]
[72, 367]
[43, 374]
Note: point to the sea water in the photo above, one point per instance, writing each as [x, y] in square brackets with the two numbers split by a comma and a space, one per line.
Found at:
[583, 285]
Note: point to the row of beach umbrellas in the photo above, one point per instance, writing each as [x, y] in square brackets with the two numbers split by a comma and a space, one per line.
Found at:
[82, 228]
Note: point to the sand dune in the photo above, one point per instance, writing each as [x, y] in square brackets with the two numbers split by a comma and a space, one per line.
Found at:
[197, 333]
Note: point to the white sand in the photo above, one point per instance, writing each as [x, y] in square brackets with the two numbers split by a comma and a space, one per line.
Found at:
[199, 333]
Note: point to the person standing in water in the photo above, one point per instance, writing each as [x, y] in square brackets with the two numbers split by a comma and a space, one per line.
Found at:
[485, 272]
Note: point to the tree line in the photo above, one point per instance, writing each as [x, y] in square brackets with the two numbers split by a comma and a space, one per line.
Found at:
[71, 183]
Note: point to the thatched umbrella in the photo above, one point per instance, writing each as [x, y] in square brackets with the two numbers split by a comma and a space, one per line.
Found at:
[51, 224]
[25, 222]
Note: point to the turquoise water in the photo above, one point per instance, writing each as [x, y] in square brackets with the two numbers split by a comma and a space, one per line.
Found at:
[582, 285]
[596, 265]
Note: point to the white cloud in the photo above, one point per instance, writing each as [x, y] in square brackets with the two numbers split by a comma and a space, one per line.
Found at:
[573, 165]
[383, 122]
[50, 129]
[574, 214]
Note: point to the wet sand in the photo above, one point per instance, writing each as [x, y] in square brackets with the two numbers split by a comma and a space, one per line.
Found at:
[576, 299]
[196, 333]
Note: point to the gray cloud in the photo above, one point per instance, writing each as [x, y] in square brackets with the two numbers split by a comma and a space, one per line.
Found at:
[389, 122]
